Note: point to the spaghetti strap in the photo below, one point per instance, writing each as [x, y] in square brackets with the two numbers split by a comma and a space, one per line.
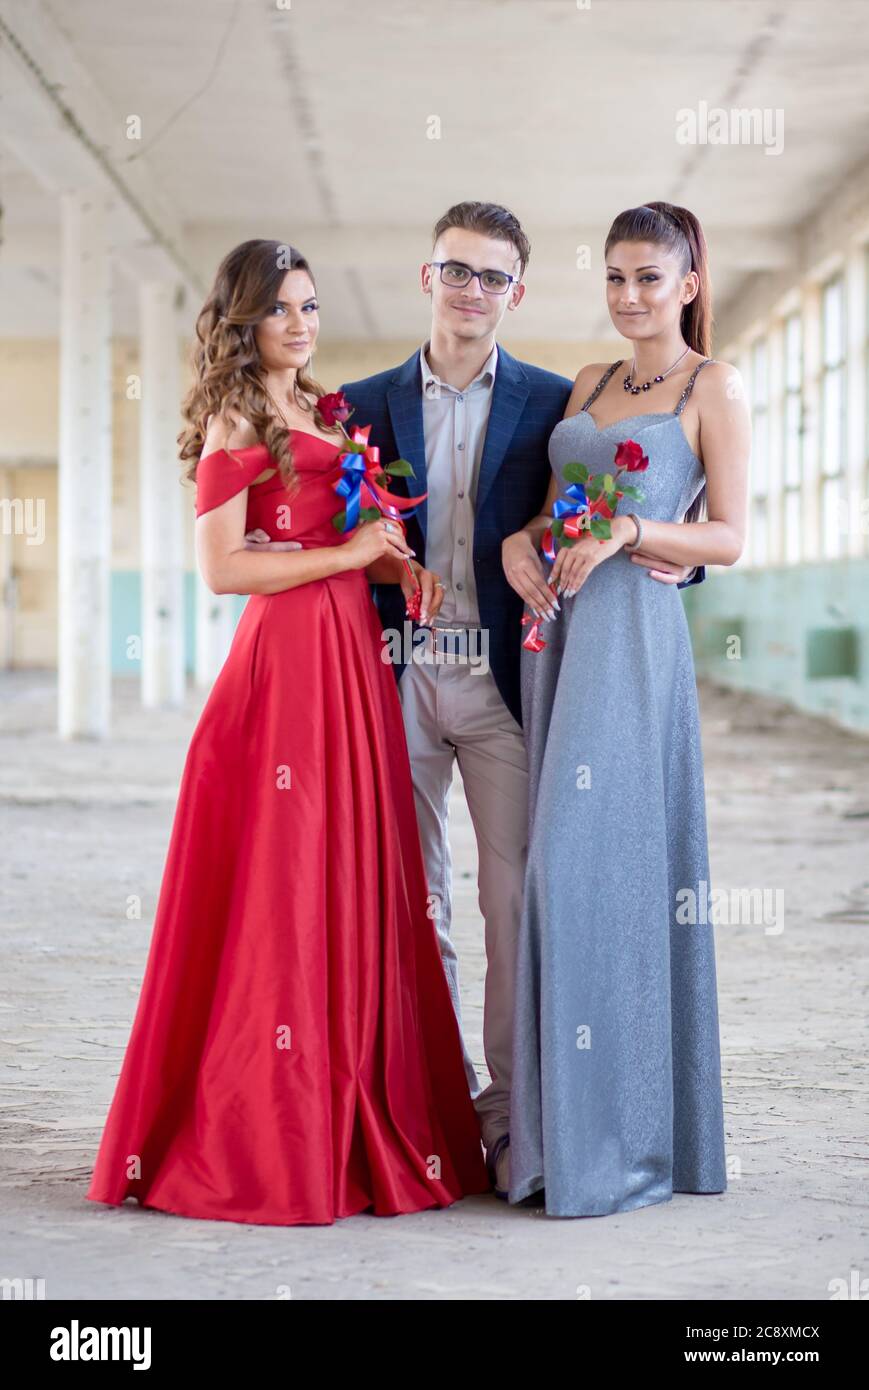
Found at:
[680, 404]
[602, 383]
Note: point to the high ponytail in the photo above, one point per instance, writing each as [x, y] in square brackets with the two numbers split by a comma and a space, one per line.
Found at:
[676, 228]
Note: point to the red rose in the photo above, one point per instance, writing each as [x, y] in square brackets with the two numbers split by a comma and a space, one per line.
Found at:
[334, 408]
[630, 456]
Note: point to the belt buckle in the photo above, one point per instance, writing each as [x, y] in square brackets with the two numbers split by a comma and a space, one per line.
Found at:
[450, 647]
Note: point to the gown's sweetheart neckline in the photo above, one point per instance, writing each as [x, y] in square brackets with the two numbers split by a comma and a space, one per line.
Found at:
[246, 448]
[645, 415]
[309, 435]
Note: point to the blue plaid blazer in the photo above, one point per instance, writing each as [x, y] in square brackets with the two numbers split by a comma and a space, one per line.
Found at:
[527, 404]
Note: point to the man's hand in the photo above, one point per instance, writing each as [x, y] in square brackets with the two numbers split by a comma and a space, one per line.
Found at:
[432, 590]
[662, 570]
[261, 540]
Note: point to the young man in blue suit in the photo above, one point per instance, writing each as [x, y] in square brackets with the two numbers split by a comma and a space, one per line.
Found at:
[474, 422]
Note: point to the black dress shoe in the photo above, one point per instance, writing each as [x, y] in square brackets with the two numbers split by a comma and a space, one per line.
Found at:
[536, 1199]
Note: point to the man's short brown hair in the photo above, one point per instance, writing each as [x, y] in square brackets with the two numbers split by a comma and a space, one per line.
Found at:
[489, 219]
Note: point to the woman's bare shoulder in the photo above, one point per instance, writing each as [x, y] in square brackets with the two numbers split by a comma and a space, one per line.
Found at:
[584, 383]
[591, 373]
[717, 374]
[228, 431]
[719, 383]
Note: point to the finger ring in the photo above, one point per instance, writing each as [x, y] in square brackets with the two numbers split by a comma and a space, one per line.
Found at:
[387, 525]
[438, 584]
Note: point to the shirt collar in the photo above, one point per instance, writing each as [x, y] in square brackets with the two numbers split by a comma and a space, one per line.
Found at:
[485, 376]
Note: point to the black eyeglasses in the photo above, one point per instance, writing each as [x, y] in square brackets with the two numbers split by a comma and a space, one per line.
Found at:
[455, 274]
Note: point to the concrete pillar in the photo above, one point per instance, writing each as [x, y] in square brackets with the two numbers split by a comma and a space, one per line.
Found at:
[7, 570]
[161, 500]
[85, 471]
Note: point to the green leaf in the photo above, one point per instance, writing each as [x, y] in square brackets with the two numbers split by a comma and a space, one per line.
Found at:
[633, 492]
[601, 529]
[567, 543]
[400, 468]
[576, 472]
[612, 500]
[608, 482]
[365, 514]
[593, 491]
[351, 447]
[557, 527]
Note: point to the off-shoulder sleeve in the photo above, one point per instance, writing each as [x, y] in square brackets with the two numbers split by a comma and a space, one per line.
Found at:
[222, 474]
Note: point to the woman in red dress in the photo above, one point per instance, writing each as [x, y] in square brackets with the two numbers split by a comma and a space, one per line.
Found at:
[295, 1055]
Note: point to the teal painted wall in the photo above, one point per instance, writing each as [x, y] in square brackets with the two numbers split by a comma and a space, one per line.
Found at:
[127, 618]
[803, 634]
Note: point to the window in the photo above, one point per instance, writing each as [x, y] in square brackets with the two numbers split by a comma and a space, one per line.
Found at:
[760, 453]
[832, 416]
[792, 475]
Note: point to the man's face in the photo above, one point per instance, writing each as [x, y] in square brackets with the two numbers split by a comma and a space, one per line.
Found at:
[469, 311]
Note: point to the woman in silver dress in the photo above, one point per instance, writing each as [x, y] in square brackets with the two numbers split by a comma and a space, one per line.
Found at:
[616, 1099]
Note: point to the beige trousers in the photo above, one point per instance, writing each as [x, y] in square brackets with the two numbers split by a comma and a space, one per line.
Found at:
[453, 711]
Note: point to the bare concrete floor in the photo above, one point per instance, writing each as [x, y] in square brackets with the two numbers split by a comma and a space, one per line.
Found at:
[83, 826]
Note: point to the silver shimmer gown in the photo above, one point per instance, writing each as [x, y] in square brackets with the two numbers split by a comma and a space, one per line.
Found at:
[616, 1100]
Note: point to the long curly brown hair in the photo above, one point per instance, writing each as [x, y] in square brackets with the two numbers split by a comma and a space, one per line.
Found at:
[228, 374]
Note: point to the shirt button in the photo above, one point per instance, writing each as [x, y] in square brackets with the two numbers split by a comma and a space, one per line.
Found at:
[460, 494]
[460, 586]
[460, 446]
[460, 399]
[461, 540]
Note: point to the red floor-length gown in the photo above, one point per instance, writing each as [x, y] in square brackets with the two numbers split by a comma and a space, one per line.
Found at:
[295, 1055]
